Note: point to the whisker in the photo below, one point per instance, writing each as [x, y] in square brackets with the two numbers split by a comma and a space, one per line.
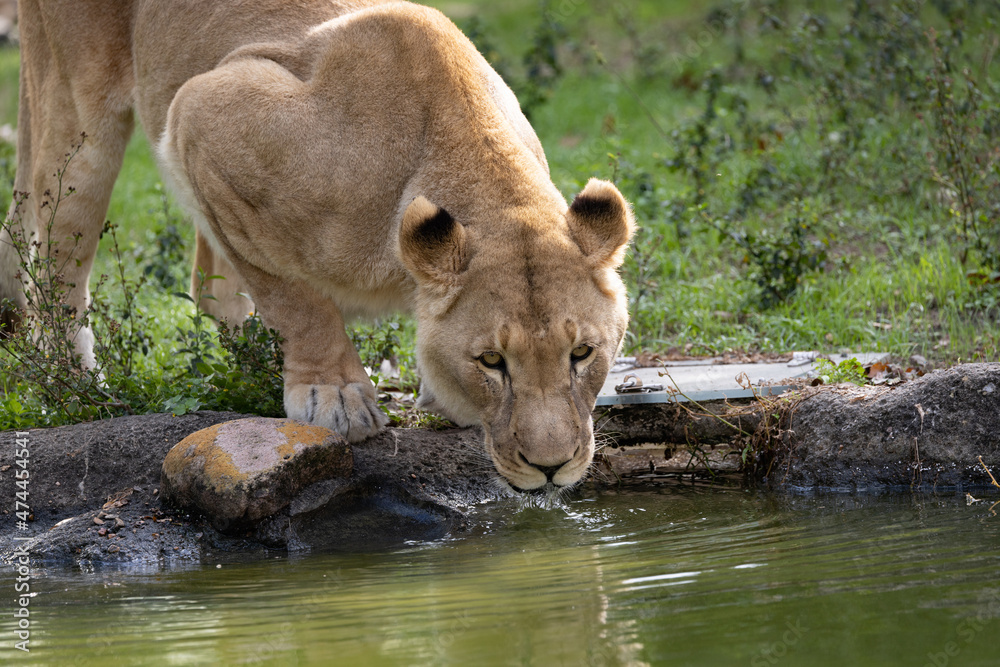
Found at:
[602, 440]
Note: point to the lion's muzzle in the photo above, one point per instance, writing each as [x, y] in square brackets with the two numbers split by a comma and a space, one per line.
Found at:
[542, 447]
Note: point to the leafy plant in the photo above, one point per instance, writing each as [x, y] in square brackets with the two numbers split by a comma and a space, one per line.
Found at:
[197, 342]
[243, 374]
[541, 62]
[43, 379]
[779, 261]
[126, 337]
[253, 373]
[848, 370]
[698, 146]
[238, 368]
[40, 363]
[165, 265]
[392, 340]
[376, 342]
[964, 130]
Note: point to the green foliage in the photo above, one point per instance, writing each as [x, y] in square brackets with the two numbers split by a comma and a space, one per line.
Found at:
[541, 67]
[888, 64]
[8, 167]
[234, 368]
[965, 157]
[197, 342]
[13, 413]
[390, 339]
[801, 161]
[253, 372]
[239, 370]
[126, 335]
[165, 264]
[541, 62]
[780, 259]
[698, 146]
[377, 341]
[848, 370]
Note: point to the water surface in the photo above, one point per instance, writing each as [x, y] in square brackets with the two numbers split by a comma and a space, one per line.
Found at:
[639, 578]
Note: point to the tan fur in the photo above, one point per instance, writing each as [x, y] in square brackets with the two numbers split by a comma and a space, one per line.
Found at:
[344, 158]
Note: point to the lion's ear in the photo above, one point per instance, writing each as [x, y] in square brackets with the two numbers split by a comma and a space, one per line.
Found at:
[432, 244]
[601, 223]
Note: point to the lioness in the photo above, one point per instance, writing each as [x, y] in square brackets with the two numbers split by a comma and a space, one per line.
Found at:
[344, 157]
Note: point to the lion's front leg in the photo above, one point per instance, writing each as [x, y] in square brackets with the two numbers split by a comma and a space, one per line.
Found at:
[325, 382]
[348, 409]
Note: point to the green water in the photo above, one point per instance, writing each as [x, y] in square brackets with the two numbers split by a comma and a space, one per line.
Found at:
[671, 578]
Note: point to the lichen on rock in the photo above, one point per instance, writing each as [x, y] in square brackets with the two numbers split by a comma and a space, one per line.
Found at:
[239, 472]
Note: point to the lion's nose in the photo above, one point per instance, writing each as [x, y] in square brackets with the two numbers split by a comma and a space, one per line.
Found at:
[548, 471]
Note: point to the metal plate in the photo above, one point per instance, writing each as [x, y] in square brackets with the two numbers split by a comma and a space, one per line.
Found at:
[702, 380]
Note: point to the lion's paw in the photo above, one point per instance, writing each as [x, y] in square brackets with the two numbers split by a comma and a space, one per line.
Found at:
[350, 410]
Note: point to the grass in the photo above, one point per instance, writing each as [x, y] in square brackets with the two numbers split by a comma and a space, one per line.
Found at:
[784, 177]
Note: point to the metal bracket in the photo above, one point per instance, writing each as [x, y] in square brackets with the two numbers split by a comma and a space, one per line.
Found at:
[632, 384]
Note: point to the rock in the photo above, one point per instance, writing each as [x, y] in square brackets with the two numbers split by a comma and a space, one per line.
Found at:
[408, 485]
[927, 432]
[240, 472]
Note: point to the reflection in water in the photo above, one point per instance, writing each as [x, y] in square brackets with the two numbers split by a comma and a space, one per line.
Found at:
[630, 579]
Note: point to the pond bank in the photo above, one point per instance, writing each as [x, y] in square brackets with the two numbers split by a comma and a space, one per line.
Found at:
[926, 433]
[94, 488]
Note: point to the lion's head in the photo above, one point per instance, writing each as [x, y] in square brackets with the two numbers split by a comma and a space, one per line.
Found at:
[517, 331]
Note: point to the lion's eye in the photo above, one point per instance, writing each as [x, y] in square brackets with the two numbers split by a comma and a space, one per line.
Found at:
[580, 352]
[491, 359]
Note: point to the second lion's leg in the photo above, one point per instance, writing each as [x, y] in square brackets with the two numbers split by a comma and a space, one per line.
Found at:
[225, 298]
[71, 83]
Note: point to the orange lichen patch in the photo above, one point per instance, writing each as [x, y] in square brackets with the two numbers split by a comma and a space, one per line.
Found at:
[177, 458]
[206, 436]
[300, 435]
[199, 452]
